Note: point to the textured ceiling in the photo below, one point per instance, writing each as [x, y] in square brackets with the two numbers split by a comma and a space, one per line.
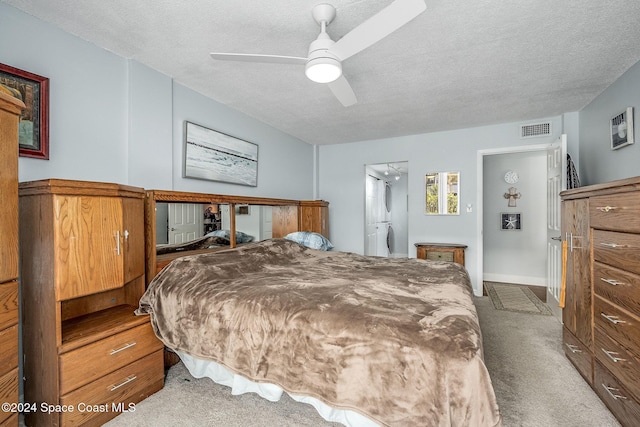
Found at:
[459, 64]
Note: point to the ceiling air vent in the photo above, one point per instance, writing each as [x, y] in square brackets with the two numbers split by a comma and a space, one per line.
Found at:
[535, 130]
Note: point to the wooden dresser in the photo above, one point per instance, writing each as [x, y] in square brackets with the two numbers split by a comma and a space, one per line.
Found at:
[605, 348]
[451, 252]
[82, 255]
[10, 109]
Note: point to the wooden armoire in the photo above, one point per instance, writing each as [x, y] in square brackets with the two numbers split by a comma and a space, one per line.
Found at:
[83, 273]
[10, 109]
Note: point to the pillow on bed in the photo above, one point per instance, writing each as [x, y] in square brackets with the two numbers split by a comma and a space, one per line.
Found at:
[310, 239]
[240, 236]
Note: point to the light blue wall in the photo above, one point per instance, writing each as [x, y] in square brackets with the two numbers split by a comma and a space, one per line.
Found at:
[342, 182]
[285, 166]
[598, 163]
[115, 120]
[88, 99]
[150, 128]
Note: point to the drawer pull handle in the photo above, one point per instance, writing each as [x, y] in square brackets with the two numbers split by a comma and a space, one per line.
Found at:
[126, 346]
[574, 348]
[612, 245]
[613, 358]
[611, 318]
[117, 237]
[610, 390]
[127, 381]
[612, 282]
[606, 208]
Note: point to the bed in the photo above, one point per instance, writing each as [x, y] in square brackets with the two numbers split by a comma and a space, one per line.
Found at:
[395, 341]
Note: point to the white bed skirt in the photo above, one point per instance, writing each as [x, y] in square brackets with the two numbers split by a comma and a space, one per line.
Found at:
[239, 385]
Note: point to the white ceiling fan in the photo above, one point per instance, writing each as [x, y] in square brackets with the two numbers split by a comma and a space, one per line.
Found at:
[324, 61]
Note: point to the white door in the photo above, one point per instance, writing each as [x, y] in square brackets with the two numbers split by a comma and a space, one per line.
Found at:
[185, 222]
[371, 215]
[556, 182]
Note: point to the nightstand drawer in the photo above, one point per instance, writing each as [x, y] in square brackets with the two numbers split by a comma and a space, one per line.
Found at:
[440, 256]
[449, 252]
[87, 363]
[115, 391]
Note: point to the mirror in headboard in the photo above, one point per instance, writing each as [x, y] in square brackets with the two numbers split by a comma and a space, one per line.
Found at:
[182, 222]
[253, 222]
[258, 217]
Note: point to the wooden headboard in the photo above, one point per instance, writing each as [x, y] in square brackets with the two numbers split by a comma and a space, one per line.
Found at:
[288, 216]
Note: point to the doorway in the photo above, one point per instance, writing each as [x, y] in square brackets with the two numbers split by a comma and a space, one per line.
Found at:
[386, 215]
[553, 153]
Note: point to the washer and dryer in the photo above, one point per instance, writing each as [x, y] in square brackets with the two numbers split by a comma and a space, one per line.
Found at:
[384, 244]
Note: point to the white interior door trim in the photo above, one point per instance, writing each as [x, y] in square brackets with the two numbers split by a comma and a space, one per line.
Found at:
[477, 289]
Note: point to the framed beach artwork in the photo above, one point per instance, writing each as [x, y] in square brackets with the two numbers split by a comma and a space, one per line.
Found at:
[510, 221]
[215, 156]
[33, 90]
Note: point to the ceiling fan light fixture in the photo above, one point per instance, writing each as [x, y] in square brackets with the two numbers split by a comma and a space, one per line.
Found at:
[323, 70]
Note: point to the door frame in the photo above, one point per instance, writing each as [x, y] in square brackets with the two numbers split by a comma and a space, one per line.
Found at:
[479, 199]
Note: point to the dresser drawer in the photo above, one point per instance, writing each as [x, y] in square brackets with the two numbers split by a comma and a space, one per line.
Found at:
[618, 286]
[87, 363]
[129, 384]
[8, 304]
[8, 349]
[620, 250]
[12, 420]
[618, 324]
[440, 256]
[8, 391]
[616, 397]
[578, 354]
[624, 365]
[620, 212]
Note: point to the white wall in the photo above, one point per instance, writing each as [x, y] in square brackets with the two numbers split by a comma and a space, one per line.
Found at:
[515, 256]
[598, 163]
[115, 120]
[342, 182]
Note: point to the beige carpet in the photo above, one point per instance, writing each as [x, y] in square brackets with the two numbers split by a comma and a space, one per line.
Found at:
[510, 297]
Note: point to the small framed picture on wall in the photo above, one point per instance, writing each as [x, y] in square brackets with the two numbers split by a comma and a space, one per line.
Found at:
[510, 221]
[622, 129]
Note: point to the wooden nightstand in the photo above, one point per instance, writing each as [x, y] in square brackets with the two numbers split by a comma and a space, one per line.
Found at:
[451, 252]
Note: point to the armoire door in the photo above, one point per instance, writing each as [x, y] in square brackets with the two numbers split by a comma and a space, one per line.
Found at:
[88, 245]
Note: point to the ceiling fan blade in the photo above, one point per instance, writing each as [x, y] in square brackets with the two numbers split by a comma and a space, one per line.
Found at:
[269, 59]
[377, 27]
[342, 90]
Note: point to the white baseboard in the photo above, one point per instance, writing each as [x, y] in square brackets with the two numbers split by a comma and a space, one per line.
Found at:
[520, 280]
